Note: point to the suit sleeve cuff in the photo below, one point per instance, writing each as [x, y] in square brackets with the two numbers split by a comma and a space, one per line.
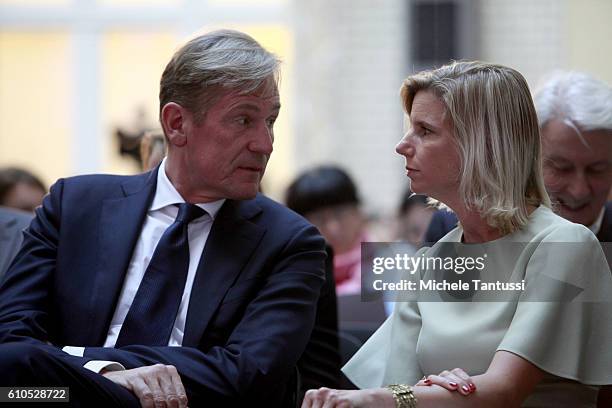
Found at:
[98, 365]
[94, 365]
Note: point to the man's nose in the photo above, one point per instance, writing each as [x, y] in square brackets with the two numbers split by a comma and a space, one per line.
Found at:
[577, 186]
[262, 141]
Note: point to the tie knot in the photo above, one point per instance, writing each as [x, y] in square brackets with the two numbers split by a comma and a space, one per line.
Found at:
[189, 212]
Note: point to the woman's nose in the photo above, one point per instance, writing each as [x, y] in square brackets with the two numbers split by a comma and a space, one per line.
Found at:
[404, 147]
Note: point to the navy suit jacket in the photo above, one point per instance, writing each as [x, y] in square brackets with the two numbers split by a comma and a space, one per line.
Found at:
[441, 223]
[252, 305]
[12, 223]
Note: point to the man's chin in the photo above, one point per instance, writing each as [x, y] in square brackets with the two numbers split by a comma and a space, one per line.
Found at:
[245, 193]
[585, 216]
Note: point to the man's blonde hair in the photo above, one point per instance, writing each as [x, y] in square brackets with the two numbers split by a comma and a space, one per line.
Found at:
[496, 130]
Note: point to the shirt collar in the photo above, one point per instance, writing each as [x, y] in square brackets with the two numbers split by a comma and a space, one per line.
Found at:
[596, 226]
[166, 194]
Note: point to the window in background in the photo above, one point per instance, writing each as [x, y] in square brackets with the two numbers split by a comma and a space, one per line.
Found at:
[36, 102]
[441, 31]
[247, 2]
[131, 3]
[34, 2]
[131, 66]
[105, 75]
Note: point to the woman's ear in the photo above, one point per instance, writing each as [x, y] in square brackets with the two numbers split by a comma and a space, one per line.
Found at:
[173, 118]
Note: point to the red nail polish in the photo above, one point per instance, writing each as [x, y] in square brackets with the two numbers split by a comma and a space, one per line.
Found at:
[427, 381]
[472, 386]
[452, 384]
[465, 388]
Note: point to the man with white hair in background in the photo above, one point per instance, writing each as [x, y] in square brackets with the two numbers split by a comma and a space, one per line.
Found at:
[575, 116]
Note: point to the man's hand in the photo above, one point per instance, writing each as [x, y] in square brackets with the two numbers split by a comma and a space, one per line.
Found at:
[329, 398]
[155, 386]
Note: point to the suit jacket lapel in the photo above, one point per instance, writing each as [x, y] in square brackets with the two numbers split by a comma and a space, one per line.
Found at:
[229, 246]
[119, 225]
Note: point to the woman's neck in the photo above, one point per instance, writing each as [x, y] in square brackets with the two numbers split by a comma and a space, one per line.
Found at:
[475, 227]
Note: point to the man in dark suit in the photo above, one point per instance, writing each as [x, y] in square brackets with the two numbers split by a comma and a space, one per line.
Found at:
[441, 223]
[179, 284]
[12, 224]
[575, 116]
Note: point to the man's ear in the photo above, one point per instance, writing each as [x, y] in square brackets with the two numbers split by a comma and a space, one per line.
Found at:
[173, 120]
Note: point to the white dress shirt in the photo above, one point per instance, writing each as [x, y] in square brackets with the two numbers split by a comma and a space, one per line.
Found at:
[596, 226]
[161, 214]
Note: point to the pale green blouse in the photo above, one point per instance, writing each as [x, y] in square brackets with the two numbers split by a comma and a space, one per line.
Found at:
[570, 340]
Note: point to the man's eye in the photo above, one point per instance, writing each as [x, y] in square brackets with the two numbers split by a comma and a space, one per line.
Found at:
[271, 122]
[243, 121]
[556, 166]
[599, 168]
[561, 168]
[426, 131]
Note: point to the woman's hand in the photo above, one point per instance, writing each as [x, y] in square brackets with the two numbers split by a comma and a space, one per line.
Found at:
[329, 398]
[453, 380]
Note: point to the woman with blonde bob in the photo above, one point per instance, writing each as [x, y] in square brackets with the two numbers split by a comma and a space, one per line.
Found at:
[473, 144]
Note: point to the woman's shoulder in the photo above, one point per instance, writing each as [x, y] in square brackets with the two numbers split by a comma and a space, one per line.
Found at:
[545, 225]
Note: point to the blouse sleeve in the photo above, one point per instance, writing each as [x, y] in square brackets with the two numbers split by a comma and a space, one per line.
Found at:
[563, 322]
[389, 356]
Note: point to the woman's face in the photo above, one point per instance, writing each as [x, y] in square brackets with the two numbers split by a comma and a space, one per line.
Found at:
[432, 156]
[341, 225]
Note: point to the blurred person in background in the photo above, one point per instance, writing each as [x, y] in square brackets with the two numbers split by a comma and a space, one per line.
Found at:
[20, 189]
[327, 197]
[451, 352]
[442, 221]
[413, 218]
[152, 149]
[575, 116]
[12, 224]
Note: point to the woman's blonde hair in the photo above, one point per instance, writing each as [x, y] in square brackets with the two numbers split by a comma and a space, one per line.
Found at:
[496, 131]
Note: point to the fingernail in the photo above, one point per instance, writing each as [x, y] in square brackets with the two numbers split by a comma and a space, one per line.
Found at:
[427, 381]
[472, 386]
[465, 388]
[452, 384]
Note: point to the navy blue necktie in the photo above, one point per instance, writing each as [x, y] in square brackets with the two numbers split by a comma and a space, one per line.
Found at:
[155, 307]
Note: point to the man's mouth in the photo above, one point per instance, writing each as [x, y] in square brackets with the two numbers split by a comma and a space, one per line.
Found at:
[573, 206]
[252, 168]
